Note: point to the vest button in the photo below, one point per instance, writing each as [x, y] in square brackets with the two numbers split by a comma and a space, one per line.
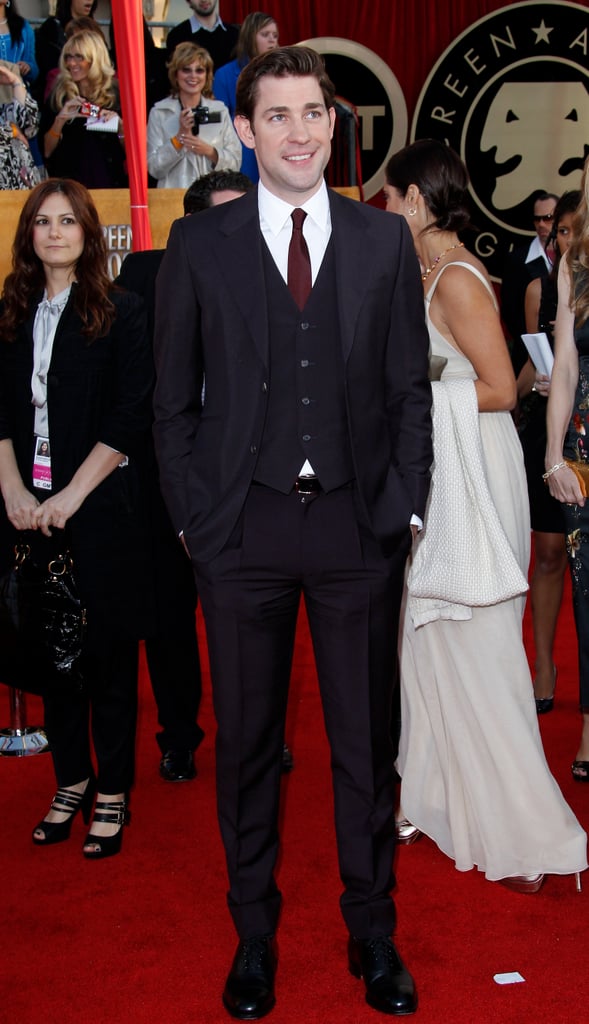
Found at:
[306, 401]
[264, 387]
[253, 449]
[304, 363]
[306, 437]
[305, 326]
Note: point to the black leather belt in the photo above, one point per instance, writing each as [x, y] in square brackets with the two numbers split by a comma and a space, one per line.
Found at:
[307, 485]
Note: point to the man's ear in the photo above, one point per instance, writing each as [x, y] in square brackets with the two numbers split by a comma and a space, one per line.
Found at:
[245, 131]
[332, 116]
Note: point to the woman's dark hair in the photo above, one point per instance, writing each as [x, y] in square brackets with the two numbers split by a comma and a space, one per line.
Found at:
[83, 24]
[441, 177]
[15, 23]
[285, 61]
[250, 26]
[63, 11]
[27, 279]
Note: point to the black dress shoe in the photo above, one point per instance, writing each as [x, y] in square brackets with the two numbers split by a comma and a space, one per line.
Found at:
[177, 765]
[287, 760]
[249, 989]
[389, 986]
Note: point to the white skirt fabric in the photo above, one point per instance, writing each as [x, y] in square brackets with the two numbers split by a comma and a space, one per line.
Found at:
[474, 775]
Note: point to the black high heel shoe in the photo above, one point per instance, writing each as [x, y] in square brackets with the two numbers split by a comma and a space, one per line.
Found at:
[115, 813]
[66, 801]
[546, 704]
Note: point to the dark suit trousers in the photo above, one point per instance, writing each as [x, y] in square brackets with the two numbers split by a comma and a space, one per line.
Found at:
[281, 549]
[172, 649]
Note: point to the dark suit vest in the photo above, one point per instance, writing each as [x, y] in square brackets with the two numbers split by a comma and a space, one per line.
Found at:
[306, 414]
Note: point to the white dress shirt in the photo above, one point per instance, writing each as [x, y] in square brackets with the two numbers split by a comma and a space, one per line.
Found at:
[196, 24]
[537, 249]
[46, 320]
[276, 227]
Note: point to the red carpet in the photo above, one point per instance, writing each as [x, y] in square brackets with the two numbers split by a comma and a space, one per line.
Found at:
[145, 937]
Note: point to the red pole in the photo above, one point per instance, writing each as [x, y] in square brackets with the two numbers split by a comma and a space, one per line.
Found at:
[128, 26]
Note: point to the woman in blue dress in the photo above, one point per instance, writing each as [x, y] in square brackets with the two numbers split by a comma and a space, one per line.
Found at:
[258, 34]
[17, 41]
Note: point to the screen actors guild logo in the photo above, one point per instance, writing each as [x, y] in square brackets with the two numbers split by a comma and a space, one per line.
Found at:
[511, 96]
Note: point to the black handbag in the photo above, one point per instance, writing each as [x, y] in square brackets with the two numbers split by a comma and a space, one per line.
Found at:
[42, 626]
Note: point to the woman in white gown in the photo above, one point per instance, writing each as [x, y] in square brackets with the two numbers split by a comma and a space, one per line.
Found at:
[474, 774]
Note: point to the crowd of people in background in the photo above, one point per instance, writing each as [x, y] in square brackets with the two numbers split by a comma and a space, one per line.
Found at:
[67, 121]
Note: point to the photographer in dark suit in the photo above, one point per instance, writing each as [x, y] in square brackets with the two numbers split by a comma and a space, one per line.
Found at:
[298, 474]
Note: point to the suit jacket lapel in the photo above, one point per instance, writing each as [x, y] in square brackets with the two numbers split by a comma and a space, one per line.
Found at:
[238, 247]
[351, 239]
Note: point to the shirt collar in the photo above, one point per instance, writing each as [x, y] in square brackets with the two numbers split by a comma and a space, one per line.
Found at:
[58, 301]
[276, 212]
[537, 249]
[195, 24]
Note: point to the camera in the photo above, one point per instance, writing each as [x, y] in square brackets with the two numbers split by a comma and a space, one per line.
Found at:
[89, 109]
[202, 115]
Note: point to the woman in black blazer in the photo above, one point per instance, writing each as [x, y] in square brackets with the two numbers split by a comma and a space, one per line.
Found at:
[75, 371]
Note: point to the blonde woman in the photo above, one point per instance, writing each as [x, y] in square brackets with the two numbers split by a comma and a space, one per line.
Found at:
[189, 133]
[81, 130]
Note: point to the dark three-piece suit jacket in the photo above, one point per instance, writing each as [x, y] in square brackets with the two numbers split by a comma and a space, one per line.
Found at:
[211, 325]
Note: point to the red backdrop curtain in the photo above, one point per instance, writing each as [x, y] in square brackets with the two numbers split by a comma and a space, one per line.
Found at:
[128, 26]
[409, 35]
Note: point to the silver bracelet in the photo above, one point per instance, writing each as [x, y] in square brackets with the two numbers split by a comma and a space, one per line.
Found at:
[553, 469]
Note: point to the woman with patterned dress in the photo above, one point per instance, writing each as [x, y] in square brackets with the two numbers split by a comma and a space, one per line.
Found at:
[19, 120]
[568, 429]
[474, 774]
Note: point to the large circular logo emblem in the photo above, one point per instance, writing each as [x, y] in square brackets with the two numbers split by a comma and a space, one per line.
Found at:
[364, 80]
[511, 96]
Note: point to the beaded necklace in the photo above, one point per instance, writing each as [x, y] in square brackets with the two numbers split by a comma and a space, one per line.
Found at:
[426, 273]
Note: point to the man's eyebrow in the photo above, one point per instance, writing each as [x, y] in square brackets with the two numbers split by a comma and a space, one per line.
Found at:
[315, 105]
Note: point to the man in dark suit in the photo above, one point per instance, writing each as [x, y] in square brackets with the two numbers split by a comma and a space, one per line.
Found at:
[525, 264]
[299, 474]
[172, 648]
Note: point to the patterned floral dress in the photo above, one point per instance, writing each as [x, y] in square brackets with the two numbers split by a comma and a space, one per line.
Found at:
[577, 517]
[17, 166]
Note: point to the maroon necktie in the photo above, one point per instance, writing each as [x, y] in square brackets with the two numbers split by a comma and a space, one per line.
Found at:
[299, 264]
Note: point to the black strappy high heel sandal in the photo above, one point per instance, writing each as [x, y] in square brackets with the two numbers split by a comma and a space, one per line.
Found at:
[66, 801]
[114, 813]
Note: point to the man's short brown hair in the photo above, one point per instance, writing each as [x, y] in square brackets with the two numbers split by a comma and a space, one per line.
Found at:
[283, 62]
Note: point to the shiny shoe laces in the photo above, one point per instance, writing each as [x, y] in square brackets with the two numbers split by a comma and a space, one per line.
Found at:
[253, 953]
[384, 955]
